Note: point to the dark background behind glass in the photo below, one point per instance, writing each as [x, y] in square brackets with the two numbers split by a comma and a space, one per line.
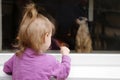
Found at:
[105, 29]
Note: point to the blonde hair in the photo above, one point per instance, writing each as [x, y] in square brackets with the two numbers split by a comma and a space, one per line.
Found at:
[31, 33]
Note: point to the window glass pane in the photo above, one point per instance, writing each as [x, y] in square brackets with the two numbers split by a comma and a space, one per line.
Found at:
[104, 29]
[107, 24]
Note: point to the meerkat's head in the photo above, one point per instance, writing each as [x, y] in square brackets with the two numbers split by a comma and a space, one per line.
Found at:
[81, 20]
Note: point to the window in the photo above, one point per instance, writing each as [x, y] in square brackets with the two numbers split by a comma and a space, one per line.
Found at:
[103, 16]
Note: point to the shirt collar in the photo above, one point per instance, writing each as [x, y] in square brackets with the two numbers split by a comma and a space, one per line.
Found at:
[31, 53]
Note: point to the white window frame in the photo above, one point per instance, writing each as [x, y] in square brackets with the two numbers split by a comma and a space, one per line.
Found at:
[0, 25]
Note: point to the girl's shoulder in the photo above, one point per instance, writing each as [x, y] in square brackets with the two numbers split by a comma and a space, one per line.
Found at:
[50, 57]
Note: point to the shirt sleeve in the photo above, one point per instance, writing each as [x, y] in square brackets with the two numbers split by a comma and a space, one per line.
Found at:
[8, 66]
[61, 70]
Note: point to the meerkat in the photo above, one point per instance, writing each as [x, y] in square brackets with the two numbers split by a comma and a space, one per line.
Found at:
[83, 38]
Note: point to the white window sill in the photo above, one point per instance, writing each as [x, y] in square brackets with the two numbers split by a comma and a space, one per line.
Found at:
[84, 66]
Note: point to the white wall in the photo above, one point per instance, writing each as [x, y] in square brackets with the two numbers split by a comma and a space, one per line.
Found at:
[84, 66]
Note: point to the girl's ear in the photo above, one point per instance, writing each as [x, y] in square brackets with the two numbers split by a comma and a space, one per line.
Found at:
[46, 34]
[45, 37]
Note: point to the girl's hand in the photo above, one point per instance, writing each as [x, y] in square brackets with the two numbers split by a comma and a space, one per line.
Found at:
[64, 50]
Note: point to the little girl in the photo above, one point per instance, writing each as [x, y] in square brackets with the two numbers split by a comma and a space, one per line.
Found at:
[34, 38]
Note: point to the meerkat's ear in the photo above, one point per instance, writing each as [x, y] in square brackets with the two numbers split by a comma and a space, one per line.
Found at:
[85, 19]
[78, 21]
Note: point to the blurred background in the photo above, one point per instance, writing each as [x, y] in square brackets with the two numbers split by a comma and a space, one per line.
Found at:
[104, 25]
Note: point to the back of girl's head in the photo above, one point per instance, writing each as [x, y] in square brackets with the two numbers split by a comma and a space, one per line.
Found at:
[32, 29]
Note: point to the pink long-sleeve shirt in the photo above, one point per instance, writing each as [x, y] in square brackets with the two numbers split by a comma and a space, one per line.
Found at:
[37, 67]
